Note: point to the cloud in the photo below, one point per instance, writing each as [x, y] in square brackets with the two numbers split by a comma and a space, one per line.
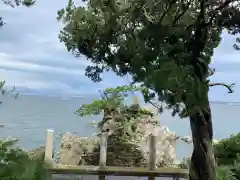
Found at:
[227, 65]
[11, 63]
[20, 83]
[33, 59]
[225, 53]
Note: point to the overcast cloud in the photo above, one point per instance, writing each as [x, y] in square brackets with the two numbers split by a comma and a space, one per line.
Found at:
[33, 59]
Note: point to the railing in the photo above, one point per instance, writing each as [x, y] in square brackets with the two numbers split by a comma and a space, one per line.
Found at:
[103, 170]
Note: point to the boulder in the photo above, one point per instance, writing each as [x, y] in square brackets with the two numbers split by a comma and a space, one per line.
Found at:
[73, 149]
[127, 146]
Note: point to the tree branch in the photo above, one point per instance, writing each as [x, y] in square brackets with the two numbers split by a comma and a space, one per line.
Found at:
[229, 87]
[219, 8]
[185, 8]
[168, 9]
[154, 104]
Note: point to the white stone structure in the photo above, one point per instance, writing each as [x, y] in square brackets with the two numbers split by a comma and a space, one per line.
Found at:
[73, 147]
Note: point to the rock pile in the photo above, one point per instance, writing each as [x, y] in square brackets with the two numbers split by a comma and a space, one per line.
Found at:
[127, 146]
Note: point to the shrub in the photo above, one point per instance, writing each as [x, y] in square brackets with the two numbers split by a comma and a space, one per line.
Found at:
[222, 172]
[225, 173]
[227, 153]
[15, 164]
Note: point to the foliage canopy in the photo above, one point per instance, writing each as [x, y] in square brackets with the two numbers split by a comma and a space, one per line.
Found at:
[112, 102]
[111, 98]
[153, 41]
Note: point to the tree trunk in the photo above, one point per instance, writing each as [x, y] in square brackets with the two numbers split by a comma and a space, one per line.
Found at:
[202, 161]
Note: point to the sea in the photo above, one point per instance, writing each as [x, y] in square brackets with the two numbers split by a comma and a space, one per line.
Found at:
[29, 116]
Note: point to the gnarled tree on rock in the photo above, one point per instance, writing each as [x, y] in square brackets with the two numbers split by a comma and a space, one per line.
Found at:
[166, 45]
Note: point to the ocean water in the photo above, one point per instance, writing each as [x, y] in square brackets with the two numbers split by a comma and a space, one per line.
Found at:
[28, 117]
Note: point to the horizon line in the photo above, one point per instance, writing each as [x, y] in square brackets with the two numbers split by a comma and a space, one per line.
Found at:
[97, 95]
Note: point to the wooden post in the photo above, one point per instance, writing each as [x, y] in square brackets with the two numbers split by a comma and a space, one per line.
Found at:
[49, 146]
[152, 154]
[103, 153]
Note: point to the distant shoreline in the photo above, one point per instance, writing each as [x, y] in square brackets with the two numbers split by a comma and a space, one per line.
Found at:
[93, 95]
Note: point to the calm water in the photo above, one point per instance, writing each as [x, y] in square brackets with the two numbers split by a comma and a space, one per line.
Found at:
[28, 117]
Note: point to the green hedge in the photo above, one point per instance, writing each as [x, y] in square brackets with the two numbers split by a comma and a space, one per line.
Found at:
[227, 153]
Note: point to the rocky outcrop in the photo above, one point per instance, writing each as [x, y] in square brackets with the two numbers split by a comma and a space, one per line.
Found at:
[127, 143]
[74, 149]
[37, 154]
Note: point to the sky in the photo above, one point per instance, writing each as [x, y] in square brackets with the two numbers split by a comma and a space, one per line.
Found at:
[33, 59]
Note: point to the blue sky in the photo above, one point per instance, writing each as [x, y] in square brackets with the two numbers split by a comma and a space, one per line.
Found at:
[33, 59]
